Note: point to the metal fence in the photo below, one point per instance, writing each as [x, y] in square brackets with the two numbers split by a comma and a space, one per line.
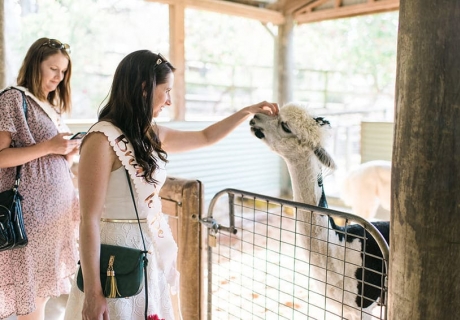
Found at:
[270, 258]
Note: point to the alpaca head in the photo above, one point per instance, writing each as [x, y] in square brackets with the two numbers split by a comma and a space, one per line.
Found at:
[294, 134]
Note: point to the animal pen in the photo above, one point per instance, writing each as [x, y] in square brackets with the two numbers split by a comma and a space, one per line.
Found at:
[252, 262]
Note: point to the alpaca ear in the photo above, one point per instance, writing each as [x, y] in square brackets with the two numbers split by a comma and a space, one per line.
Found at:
[324, 157]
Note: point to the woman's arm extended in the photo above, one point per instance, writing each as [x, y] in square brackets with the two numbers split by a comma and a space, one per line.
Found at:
[180, 141]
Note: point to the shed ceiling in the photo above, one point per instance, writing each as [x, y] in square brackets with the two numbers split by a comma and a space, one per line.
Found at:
[302, 11]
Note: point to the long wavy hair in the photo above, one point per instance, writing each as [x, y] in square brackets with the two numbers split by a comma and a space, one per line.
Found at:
[30, 76]
[129, 106]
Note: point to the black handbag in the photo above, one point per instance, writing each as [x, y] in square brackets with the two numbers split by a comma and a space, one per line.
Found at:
[12, 232]
[123, 270]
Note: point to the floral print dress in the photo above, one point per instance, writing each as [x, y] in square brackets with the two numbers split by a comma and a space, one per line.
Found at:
[50, 206]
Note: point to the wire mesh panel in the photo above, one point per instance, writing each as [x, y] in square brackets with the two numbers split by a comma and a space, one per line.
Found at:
[270, 258]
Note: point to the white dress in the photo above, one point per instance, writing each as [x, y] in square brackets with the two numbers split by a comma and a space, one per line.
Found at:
[119, 205]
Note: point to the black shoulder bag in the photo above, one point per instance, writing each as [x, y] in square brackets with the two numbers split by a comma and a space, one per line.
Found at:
[123, 270]
[12, 232]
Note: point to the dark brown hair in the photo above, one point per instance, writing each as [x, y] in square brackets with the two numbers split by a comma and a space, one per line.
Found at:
[129, 105]
[30, 76]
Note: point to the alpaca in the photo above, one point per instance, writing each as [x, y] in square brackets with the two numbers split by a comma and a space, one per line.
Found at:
[299, 139]
[366, 187]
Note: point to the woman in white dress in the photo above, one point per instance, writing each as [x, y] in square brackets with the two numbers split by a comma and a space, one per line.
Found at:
[124, 138]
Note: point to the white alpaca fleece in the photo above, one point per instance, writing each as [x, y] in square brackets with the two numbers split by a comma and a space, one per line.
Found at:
[294, 132]
[303, 125]
[298, 138]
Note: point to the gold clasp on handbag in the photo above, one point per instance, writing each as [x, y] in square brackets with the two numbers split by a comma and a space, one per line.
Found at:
[111, 288]
[110, 271]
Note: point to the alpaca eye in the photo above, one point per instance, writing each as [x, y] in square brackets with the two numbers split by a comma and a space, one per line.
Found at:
[285, 127]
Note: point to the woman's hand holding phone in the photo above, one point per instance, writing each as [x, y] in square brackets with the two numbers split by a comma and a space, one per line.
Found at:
[78, 135]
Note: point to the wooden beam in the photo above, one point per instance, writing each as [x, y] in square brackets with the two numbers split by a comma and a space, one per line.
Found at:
[177, 54]
[347, 11]
[277, 5]
[311, 6]
[241, 10]
[230, 8]
[293, 5]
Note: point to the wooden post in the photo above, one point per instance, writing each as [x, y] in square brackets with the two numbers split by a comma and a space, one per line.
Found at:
[177, 56]
[424, 274]
[182, 201]
[284, 70]
[285, 61]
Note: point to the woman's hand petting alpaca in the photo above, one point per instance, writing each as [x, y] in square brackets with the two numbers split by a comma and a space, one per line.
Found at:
[265, 107]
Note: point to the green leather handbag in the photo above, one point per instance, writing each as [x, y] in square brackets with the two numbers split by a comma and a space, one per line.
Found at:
[122, 271]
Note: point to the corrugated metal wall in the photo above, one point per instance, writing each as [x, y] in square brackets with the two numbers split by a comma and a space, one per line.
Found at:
[239, 161]
[376, 141]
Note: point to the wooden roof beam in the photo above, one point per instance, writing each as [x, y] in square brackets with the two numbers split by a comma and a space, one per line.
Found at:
[310, 7]
[347, 11]
[294, 5]
[231, 8]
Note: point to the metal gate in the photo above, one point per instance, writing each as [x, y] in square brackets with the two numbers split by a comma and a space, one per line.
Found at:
[268, 258]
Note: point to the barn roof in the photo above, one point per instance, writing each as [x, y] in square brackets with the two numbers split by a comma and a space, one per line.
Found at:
[302, 11]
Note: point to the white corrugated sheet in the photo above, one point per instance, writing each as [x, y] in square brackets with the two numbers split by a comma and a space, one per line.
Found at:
[376, 141]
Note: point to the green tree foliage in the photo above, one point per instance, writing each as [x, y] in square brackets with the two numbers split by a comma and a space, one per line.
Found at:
[227, 39]
[100, 34]
[358, 45]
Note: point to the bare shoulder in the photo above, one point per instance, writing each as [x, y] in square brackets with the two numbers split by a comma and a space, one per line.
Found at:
[96, 148]
[95, 140]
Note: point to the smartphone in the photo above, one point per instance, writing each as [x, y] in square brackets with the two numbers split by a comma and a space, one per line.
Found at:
[78, 135]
